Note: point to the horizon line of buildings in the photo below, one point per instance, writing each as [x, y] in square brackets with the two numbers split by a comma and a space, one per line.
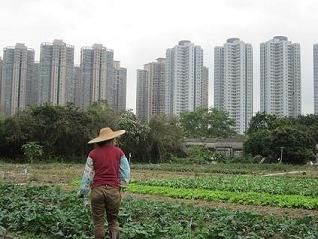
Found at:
[56, 80]
[171, 85]
[179, 82]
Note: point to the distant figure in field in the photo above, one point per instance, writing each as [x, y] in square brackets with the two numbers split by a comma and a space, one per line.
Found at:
[106, 171]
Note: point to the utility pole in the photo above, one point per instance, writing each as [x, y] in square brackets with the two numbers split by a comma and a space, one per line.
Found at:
[281, 154]
[316, 161]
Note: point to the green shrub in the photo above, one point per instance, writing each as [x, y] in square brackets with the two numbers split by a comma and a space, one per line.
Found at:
[32, 151]
[199, 152]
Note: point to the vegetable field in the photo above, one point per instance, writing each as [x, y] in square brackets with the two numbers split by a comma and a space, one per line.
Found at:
[56, 214]
[273, 185]
[39, 201]
[300, 192]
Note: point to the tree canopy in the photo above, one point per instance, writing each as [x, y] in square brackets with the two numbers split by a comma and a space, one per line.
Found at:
[63, 131]
[297, 137]
[209, 123]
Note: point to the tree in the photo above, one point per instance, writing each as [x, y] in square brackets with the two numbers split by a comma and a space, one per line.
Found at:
[209, 123]
[61, 130]
[64, 131]
[299, 146]
[268, 134]
[2, 136]
[165, 137]
[259, 143]
[17, 130]
[136, 139]
[261, 121]
[101, 116]
[307, 120]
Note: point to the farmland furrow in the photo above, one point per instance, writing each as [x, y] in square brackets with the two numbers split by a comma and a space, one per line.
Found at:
[251, 198]
[265, 210]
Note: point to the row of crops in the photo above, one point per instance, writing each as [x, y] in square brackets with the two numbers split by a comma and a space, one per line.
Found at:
[250, 198]
[292, 192]
[235, 168]
[272, 185]
[53, 213]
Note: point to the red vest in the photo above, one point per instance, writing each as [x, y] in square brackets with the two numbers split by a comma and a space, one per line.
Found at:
[106, 162]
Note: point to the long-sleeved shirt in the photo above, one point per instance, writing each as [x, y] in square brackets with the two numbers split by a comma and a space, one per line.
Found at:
[100, 166]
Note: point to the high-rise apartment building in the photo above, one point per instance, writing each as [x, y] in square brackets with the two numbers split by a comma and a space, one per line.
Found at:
[205, 87]
[156, 74]
[280, 77]
[78, 87]
[109, 76]
[96, 74]
[315, 56]
[17, 70]
[183, 78]
[219, 77]
[233, 81]
[119, 87]
[56, 73]
[155, 88]
[92, 75]
[142, 96]
[35, 84]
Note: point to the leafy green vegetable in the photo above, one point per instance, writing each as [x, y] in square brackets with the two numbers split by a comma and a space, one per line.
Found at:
[56, 214]
[273, 185]
[252, 198]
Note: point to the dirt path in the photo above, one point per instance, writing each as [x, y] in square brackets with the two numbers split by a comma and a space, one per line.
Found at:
[151, 174]
[286, 173]
[290, 212]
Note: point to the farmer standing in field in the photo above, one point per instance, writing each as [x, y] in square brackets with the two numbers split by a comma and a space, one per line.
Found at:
[106, 171]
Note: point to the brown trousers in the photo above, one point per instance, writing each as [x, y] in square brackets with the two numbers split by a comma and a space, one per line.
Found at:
[105, 198]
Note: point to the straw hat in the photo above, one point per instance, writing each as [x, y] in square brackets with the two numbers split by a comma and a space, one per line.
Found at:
[106, 134]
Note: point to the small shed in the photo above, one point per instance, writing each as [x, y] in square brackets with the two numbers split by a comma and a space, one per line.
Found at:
[232, 147]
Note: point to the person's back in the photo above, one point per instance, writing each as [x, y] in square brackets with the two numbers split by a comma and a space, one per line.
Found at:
[106, 169]
[106, 162]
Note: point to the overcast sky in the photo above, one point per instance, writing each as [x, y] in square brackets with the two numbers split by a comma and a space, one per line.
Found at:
[139, 31]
